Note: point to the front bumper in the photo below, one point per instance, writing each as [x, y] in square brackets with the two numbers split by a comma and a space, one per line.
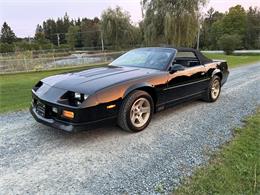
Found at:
[83, 117]
[64, 125]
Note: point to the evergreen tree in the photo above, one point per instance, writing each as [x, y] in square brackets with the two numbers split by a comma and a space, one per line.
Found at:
[39, 36]
[7, 35]
[90, 32]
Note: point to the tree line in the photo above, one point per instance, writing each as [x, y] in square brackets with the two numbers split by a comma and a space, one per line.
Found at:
[236, 29]
[177, 23]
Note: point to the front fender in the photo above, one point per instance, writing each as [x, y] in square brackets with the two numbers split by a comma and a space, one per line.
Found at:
[119, 92]
[134, 87]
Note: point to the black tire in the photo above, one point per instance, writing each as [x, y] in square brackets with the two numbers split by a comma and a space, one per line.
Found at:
[123, 119]
[209, 97]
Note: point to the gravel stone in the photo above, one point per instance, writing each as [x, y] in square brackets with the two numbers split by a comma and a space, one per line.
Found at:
[38, 159]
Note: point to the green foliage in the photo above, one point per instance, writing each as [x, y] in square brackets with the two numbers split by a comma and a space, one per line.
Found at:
[164, 22]
[53, 29]
[75, 33]
[234, 22]
[117, 28]
[90, 32]
[26, 46]
[228, 43]
[237, 21]
[45, 46]
[252, 39]
[40, 36]
[211, 28]
[6, 48]
[63, 46]
[171, 22]
[7, 35]
[71, 36]
[235, 169]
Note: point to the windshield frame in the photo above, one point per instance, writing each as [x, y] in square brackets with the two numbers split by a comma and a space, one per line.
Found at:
[173, 52]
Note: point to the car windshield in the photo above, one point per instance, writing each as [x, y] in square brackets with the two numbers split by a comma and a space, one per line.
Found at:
[154, 58]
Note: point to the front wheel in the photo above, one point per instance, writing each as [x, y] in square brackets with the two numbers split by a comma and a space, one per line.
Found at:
[136, 111]
[213, 90]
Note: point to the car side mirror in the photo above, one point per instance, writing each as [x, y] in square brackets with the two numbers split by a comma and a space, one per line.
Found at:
[176, 67]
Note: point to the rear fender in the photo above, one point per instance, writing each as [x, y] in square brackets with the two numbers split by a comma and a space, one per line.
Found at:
[216, 72]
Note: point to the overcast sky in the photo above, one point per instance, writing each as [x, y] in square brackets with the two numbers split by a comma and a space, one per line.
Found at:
[24, 15]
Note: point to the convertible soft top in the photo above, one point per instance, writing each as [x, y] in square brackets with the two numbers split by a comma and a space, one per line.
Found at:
[203, 59]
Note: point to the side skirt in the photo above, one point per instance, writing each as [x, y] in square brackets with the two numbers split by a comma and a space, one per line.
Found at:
[175, 102]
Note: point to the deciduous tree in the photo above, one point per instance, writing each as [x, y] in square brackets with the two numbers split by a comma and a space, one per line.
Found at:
[117, 28]
[173, 21]
[252, 37]
[72, 36]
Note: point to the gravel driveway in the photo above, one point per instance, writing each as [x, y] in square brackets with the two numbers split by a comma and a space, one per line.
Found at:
[106, 160]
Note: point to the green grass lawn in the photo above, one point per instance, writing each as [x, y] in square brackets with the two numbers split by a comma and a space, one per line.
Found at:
[235, 60]
[15, 89]
[235, 169]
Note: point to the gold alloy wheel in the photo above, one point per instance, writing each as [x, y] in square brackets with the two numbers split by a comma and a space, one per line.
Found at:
[215, 89]
[140, 112]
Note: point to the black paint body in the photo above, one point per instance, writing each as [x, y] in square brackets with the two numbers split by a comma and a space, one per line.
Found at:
[110, 85]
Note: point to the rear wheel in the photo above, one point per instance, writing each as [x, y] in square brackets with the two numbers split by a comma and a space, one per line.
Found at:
[213, 90]
[136, 111]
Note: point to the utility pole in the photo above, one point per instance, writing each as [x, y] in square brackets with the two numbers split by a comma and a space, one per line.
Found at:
[102, 40]
[29, 39]
[58, 39]
[198, 35]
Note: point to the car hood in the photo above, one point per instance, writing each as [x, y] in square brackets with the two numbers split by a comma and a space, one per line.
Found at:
[92, 80]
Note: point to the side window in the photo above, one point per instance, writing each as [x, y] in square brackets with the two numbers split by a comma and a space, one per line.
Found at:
[187, 59]
[186, 54]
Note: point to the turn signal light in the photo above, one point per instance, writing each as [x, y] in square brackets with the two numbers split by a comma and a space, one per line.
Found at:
[111, 106]
[68, 114]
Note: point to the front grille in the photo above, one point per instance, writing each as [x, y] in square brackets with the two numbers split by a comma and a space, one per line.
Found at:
[41, 109]
[44, 109]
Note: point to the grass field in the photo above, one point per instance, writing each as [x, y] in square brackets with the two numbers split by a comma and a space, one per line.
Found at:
[235, 169]
[235, 60]
[15, 89]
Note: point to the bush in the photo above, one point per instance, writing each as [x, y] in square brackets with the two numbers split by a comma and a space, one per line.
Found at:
[63, 46]
[23, 46]
[46, 46]
[6, 48]
[229, 43]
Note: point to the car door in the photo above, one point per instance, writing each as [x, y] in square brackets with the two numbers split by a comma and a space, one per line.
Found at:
[188, 82]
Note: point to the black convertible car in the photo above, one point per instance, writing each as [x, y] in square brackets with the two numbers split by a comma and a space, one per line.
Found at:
[132, 88]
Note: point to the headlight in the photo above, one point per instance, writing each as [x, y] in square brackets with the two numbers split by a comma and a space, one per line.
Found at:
[77, 96]
[80, 96]
[73, 98]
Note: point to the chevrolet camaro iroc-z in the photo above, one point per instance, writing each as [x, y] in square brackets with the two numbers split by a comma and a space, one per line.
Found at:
[129, 90]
